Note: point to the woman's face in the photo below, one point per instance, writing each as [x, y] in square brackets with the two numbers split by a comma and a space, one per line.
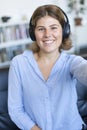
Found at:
[48, 33]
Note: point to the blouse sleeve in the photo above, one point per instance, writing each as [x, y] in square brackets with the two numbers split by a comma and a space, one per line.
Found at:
[78, 69]
[15, 101]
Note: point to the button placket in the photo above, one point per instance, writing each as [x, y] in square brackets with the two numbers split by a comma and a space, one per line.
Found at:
[48, 112]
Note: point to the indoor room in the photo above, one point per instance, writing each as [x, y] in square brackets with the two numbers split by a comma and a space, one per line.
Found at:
[16, 39]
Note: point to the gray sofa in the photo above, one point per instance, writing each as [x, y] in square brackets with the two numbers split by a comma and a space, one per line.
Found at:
[82, 100]
[5, 121]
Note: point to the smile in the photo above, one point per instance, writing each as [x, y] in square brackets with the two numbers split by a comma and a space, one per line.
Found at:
[47, 42]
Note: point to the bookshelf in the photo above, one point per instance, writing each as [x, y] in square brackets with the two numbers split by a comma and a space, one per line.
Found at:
[14, 38]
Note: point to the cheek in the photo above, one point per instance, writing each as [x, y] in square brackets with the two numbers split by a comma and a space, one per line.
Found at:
[59, 35]
[38, 36]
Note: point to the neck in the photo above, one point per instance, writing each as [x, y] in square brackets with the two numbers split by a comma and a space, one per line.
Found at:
[48, 57]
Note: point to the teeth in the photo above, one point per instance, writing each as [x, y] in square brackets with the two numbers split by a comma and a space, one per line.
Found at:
[48, 42]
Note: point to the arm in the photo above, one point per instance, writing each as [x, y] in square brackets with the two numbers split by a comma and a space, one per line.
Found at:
[78, 69]
[15, 101]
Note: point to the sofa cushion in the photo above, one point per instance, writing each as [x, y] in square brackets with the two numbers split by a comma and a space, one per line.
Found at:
[3, 102]
[6, 123]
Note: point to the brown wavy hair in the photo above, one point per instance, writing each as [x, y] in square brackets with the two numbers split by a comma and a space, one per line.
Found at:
[55, 12]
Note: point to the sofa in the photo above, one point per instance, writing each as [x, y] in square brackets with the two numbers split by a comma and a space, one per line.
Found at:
[5, 121]
[82, 100]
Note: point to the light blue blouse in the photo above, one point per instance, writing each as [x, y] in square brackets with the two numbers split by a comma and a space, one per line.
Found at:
[51, 104]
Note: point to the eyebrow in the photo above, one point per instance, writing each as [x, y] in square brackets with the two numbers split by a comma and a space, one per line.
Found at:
[50, 25]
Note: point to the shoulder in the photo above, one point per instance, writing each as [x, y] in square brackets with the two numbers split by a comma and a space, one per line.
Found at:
[73, 59]
[67, 57]
[78, 59]
[21, 57]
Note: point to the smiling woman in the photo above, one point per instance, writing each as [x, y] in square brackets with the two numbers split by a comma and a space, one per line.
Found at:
[44, 77]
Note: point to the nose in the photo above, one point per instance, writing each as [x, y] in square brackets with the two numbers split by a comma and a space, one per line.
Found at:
[47, 33]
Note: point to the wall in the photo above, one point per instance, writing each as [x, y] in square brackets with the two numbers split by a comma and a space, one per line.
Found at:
[20, 7]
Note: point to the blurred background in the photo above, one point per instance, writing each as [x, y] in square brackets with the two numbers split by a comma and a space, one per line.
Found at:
[14, 20]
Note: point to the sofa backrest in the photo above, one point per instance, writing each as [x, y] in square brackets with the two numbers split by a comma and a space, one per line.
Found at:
[3, 90]
[5, 121]
[82, 100]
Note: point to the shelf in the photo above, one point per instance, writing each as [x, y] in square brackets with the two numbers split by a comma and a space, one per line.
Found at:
[15, 43]
[14, 38]
[4, 64]
[12, 23]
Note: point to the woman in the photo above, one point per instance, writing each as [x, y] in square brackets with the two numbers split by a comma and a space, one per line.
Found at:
[42, 81]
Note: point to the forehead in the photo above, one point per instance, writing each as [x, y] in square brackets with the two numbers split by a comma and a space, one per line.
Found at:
[47, 20]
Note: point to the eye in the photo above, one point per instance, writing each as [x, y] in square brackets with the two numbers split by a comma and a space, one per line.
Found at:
[40, 29]
[54, 28]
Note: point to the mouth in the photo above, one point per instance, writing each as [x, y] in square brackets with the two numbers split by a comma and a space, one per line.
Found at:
[48, 42]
